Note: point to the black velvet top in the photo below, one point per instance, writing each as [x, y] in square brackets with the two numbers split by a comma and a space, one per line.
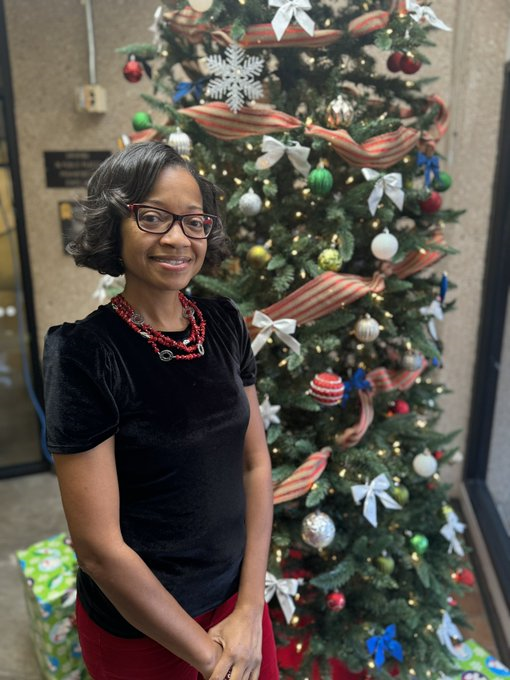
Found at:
[179, 431]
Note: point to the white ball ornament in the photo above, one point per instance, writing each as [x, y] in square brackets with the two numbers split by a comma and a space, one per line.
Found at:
[424, 464]
[250, 204]
[201, 5]
[412, 361]
[384, 246]
[318, 530]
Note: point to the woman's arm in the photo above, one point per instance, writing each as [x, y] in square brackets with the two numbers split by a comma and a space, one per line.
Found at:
[240, 634]
[90, 495]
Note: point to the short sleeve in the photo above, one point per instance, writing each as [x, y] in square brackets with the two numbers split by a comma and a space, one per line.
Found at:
[80, 408]
[248, 363]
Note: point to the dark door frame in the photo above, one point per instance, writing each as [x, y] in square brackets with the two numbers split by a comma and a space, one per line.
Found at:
[6, 97]
[490, 341]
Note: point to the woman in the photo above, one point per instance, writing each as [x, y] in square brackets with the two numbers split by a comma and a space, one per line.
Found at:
[159, 448]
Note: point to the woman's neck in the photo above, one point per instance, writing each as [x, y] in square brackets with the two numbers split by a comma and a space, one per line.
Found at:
[163, 312]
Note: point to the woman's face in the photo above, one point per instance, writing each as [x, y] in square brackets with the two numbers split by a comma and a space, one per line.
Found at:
[157, 262]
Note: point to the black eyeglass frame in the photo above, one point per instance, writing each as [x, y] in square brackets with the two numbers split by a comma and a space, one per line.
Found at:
[134, 208]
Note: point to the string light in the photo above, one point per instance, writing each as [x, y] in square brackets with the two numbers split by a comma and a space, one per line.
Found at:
[389, 315]
[294, 620]
[342, 473]
[238, 181]
[213, 166]
[302, 274]
[318, 349]
[224, 173]
[349, 180]
[298, 213]
[299, 646]
[282, 363]
[267, 203]
[201, 172]
[249, 146]
[266, 182]
[293, 252]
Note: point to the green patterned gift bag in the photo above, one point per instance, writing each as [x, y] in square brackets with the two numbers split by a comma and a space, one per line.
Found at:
[49, 577]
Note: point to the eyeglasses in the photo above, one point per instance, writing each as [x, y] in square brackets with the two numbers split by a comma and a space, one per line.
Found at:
[159, 221]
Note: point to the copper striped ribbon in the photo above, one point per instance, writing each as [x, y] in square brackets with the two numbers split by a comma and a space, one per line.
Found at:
[382, 380]
[187, 23]
[417, 260]
[378, 152]
[320, 296]
[263, 36]
[302, 479]
[368, 23]
[220, 122]
[352, 435]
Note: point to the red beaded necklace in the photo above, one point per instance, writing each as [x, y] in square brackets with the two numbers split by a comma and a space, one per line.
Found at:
[191, 348]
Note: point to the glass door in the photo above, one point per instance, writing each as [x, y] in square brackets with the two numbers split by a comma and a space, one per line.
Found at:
[20, 435]
[487, 471]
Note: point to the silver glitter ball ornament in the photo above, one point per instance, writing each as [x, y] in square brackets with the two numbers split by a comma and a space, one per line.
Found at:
[318, 530]
[412, 361]
[339, 113]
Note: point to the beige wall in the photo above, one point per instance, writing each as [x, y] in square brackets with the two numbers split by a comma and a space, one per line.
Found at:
[48, 49]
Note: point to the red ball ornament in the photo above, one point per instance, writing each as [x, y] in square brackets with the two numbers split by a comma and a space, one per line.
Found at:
[133, 71]
[466, 577]
[335, 601]
[438, 454]
[432, 203]
[394, 62]
[327, 389]
[409, 64]
[401, 407]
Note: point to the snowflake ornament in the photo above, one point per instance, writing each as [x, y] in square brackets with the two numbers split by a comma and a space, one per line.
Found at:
[236, 77]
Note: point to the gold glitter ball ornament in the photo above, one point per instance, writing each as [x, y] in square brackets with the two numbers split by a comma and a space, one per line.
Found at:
[330, 260]
[258, 257]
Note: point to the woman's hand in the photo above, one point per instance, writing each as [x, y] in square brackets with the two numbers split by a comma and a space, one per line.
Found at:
[240, 637]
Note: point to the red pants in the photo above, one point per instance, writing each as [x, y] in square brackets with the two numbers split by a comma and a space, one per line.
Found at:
[108, 657]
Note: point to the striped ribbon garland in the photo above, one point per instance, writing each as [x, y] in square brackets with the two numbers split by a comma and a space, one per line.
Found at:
[220, 122]
[368, 23]
[302, 479]
[378, 152]
[320, 296]
[263, 36]
[188, 23]
[417, 260]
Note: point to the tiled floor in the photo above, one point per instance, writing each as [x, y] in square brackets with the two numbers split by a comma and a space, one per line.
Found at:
[30, 510]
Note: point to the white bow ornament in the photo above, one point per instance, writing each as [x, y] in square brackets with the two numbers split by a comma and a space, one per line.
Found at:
[390, 184]
[370, 492]
[287, 10]
[285, 589]
[282, 327]
[274, 150]
[419, 12]
[434, 310]
[450, 530]
[446, 631]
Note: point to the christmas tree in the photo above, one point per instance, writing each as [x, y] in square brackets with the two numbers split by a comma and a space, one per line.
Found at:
[314, 120]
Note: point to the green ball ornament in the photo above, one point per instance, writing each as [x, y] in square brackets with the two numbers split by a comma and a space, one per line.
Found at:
[443, 182]
[320, 181]
[420, 543]
[141, 121]
[400, 494]
[385, 564]
[330, 260]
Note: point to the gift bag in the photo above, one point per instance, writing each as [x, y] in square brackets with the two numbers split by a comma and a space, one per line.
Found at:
[475, 663]
[49, 579]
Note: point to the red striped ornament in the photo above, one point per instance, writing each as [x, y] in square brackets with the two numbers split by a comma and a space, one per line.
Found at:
[327, 389]
[302, 479]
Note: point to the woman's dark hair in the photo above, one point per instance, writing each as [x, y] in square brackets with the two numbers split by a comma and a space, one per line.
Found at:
[128, 177]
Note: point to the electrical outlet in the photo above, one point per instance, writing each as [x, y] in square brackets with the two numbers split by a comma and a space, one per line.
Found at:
[91, 98]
